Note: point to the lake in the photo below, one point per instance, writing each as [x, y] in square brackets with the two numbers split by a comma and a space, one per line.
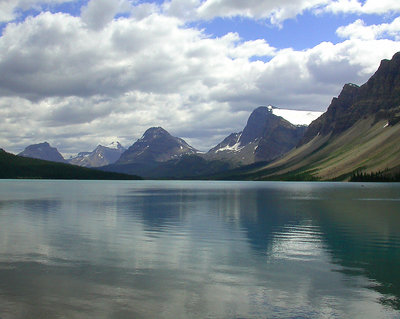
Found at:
[190, 249]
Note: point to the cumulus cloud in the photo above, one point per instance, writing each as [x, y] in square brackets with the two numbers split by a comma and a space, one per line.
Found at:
[274, 11]
[11, 9]
[75, 83]
[359, 30]
[363, 7]
[98, 13]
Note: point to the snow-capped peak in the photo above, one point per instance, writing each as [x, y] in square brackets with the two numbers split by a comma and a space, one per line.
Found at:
[114, 145]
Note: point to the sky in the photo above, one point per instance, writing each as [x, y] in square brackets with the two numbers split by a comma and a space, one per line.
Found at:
[81, 73]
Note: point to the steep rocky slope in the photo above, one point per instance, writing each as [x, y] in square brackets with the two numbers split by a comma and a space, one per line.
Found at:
[360, 131]
[156, 145]
[154, 155]
[264, 138]
[100, 156]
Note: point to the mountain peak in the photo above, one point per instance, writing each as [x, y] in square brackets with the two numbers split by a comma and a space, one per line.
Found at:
[154, 132]
[100, 156]
[156, 145]
[115, 145]
[259, 120]
[265, 137]
[42, 151]
[262, 110]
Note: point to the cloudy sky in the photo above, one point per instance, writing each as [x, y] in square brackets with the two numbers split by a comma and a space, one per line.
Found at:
[79, 73]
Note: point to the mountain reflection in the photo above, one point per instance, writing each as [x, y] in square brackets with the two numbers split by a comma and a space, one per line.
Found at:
[357, 229]
[199, 249]
[363, 237]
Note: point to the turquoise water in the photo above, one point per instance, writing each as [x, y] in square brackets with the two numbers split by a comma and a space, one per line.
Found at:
[161, 249]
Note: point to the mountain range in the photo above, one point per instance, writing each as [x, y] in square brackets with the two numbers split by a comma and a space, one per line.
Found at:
[358, 134]
[158, 154]
[100, 156]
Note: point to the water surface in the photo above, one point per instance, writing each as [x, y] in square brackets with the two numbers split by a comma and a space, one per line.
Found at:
[145, 249]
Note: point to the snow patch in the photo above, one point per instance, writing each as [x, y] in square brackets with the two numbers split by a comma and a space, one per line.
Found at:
[234, 148]
[114, 145]
[297, 117]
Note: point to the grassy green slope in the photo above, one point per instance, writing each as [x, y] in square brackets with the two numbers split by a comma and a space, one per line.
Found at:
[13, 166]
[367, 146]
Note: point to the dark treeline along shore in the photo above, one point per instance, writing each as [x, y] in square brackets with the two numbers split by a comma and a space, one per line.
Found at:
[12, 166]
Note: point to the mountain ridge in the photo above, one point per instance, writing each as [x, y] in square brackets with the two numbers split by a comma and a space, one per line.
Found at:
[156, 145]
[43, 151]
[359, 133]
[100, 156]
[265, 137]
[378, 97]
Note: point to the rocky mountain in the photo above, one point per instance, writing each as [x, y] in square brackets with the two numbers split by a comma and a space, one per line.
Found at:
[359, 134]
[43, 151]
[149, 155]
[156, 145]
[157, 154]
[379, 97]
[264, 138]
[100, 156]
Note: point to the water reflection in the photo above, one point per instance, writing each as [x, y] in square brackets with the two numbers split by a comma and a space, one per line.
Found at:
[199, 250]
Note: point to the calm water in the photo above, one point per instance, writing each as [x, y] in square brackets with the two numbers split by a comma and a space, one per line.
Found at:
[144, 249]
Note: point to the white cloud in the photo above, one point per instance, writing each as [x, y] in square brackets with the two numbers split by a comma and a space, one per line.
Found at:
[366, 7]
[98, 13]
[186, 9]
[275, 11]
[359, 30]
[74, 86]
[10, 9]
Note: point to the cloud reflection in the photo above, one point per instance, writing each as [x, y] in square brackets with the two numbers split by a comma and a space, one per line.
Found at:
[187, 249]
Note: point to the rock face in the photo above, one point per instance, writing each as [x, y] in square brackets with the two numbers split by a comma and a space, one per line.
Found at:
[156, 145]
[358, 135]
[43, 151]
[100, 156]
[379, 97]
[265, 137]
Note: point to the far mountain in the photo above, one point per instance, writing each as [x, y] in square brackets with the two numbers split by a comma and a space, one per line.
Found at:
[156, 145]
[14, 166]
[157, 154]
[265, 138]
[155, 148]
[100, 156]
[43, 151]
